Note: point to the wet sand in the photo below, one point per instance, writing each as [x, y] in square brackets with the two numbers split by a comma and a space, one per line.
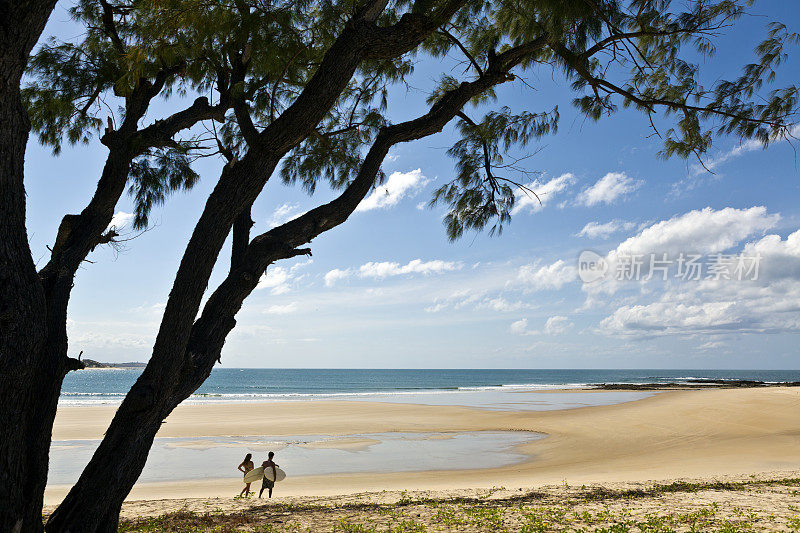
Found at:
[688, 433]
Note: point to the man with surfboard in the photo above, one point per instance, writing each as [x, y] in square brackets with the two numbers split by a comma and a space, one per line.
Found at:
[269, 468]
[268, 472]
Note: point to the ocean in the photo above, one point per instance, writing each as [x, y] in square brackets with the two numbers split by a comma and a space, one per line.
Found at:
[108, 386]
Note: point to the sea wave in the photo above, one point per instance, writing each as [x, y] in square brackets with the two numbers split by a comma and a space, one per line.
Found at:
[93, 398]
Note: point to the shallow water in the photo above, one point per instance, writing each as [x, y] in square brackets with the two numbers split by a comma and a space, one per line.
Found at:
[217, 457]
[513, 400]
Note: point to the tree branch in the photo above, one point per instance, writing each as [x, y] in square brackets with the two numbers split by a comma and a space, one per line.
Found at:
[283, 242]
[463, 50]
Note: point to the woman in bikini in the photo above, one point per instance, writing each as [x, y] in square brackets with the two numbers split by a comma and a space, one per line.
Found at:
[246, 466]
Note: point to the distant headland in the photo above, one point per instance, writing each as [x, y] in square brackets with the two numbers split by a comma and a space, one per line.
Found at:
[91, 363]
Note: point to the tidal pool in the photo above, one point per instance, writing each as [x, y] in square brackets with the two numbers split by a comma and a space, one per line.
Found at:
[217, 457]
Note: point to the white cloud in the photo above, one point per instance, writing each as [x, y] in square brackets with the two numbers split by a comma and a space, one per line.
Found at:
[594, 230]
[120, 220]
[552, 276]
[335, 275]
[749, 145]
[520, 327]
[274, 278]
[778, 258]
[712, 345]
[546, 192]
[282, 309]
[712, 308]
[557, 325]
[436, 307]
[398, 186]
[668, 317]
[477, 301]
[416, 266]
[700, 174]
[704, 231]
[608, 189]
[501, 305]
[768, 304]
[385, 269]
[278, 279]
[284, 214]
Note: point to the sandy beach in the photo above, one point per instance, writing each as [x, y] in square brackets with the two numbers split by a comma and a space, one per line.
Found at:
[704, 433]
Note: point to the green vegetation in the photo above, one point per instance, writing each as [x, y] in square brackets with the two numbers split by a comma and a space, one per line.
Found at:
[722, 507]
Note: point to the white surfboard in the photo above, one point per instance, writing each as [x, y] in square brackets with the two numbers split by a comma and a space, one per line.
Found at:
[254, 475]
[280, 474]
[257, 473]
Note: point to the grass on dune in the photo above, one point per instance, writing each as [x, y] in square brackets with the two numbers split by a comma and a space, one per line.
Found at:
[659, 508]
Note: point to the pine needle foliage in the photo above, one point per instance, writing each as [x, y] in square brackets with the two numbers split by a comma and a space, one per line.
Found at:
[614, 54]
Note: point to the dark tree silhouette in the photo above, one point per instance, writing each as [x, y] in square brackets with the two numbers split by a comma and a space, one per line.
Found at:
[299, 89]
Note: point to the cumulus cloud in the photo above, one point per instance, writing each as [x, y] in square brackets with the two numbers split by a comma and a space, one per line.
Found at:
[278, 279]
[398, 186]
[712, 309]
[705, 231]
[546, 191]
[595, 230]
[282, 309]
[778, 258]
[608, 189]
[284, 214]
[520, 327]
[274, 278]
[385, 269]
[120, 220]
[501, 305]
[335, 275]
[768, 304]
[667, 317]
[552, 276]
[417, 266]
[555, 325]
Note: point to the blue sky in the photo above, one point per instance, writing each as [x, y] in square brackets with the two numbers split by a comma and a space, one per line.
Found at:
[387, 290]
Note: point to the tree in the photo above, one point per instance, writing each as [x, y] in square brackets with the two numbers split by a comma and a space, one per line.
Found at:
[24, 355]
[301, 89]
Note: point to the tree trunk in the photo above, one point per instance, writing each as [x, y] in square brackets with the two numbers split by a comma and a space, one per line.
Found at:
[30, 380]
[186, 350]
[241, 237]
[93, 504]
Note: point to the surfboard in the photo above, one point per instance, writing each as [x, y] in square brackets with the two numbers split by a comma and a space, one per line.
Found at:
[257, 473]
[254, 475]
[281, 475]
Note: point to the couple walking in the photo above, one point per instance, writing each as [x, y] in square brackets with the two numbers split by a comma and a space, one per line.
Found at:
[247, 465]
